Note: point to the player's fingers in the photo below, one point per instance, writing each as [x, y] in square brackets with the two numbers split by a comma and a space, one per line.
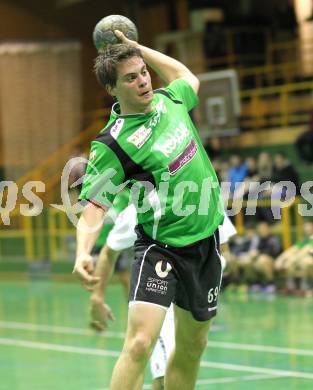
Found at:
[84, 276]
[89, 267]
[95, 326]
[87, 287]
[122, 37]
[98, 326]
[119, 34]
[111, 316]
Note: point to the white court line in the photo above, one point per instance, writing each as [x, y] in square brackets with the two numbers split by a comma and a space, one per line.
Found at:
[259, 348]
[120, 335]
[59, 329]
[101, 352]
[260, 370]
[57, 347]
[229, 379]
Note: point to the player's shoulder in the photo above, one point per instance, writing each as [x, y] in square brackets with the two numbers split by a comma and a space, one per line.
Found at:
[180, 92]
[168, 93]
[110, 132]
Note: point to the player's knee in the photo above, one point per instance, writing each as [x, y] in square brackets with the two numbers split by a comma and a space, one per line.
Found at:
[140, 347]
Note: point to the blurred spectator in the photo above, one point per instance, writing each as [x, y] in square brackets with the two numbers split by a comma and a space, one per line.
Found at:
[284, 171]
[221, 168]
[260, 264]
[240, 249]
[304, 144]
[252, 168]
[265, 171]
[265, 166]
[296, 264]
[213, 148]
[251, 178]
[241, 246]
[237, 172]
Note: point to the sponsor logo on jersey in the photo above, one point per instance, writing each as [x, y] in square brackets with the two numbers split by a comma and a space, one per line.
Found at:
[140, 136]
[173, 140]
[162, 268]
[116, 129]
[183, 158]
[160, 109]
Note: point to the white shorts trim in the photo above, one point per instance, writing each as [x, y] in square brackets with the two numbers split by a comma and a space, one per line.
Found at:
[141, 267]
[132, 303]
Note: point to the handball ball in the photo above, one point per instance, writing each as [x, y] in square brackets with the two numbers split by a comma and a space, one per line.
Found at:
[103, 34]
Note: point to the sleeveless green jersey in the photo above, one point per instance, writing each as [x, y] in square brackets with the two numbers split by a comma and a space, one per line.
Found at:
[160, 157]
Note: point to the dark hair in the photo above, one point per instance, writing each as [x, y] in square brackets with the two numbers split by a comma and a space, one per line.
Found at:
[106, 62]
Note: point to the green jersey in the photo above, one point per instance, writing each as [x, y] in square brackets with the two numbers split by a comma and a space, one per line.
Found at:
[160, 157]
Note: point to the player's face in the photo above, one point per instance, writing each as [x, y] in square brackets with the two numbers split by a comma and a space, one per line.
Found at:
[133, 87]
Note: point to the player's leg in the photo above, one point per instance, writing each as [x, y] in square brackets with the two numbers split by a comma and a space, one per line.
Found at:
[123, 277]
[200, 271]
[122, 267]
[190, 342]
[162, 350]
[151, 293]
[144, 324]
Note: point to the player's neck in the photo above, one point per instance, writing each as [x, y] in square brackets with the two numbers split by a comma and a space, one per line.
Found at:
[133, 111]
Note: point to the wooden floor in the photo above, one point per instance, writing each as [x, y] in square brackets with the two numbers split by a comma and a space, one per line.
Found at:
[256, 342]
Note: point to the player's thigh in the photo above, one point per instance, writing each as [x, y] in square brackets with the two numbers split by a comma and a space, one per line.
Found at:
[190, 333]
[144, 323]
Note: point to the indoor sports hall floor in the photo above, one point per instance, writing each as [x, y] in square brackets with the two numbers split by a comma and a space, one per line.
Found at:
[256, 342]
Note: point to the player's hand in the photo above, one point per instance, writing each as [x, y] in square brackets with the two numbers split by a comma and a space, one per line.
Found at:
[124, 39]
[100, 314]
[83, 269]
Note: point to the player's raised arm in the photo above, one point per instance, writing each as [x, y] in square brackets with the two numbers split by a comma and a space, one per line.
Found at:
[88, 228]
[167, 68]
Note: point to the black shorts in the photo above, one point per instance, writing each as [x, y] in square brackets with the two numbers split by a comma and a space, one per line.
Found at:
[189, 276]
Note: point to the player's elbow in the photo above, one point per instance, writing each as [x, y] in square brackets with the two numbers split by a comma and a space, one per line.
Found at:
[196, 83]
[193, 81]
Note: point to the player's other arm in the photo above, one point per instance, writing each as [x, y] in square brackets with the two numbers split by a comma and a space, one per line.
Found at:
[104, 270]
[167, 68]
[100, 312]
[88, 229]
